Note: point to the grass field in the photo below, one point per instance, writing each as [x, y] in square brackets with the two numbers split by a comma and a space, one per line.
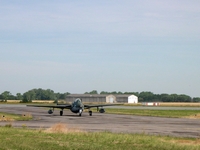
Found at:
[157, 113]
[59, 137]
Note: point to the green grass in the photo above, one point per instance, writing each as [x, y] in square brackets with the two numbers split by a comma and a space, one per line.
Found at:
[14, 117]
[12, 138]
[157, 113]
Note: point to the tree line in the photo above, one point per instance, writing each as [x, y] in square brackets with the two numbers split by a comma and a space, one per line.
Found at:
[34, 94]
[151, 97]
[48, 94]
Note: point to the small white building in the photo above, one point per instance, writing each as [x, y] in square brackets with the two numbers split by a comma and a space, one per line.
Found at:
[132, 99]
[111, 99]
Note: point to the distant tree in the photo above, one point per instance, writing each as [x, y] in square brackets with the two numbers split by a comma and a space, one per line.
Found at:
[157, 98]
[19, 96]
[196, 99]
[113, 92]
[1, 97]
[64, 95]
[104, 92]
[140, 99]
[57, 96]
[132, 93]
[92, 92]
[147, 96]
[173, 98]
[49, 94]
[11, 97]
[42, 94]
[28, 96]
[6, 95]
[120, 93]
[38, 93]
[166, 98]
[184, 98]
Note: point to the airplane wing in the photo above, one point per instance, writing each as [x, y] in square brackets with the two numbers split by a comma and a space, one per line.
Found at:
[52, 106]
[90, 106]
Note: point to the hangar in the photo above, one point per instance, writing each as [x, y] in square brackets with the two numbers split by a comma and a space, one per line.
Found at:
[132, 99]
[87, 97]
[103, 98]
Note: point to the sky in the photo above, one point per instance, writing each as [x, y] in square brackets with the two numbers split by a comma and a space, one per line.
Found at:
[116, 45]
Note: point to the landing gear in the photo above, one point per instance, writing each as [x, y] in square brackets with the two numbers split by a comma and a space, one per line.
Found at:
[61, 112]
[50, 111]
[80, 112]
[102, 110]
[90, 113]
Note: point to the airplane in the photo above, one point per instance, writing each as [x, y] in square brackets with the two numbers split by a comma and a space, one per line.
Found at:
[76, 107]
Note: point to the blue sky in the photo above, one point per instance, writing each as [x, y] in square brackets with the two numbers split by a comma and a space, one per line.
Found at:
[115, 45]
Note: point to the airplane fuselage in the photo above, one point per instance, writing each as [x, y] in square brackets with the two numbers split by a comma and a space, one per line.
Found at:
[76, 109]
[77, 106]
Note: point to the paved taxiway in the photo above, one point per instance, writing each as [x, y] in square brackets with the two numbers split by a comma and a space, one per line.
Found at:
[106, 122]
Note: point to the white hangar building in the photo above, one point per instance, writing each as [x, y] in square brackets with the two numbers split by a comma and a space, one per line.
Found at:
[132, 99]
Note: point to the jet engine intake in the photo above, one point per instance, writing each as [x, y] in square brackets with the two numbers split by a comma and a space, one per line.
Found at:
[101, 110]
[50, 111]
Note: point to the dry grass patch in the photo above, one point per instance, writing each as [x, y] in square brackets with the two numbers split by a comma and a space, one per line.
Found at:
[196, 116]
[14, 117]
[42, 101]
[179, 104]
[13, 101]
[61, 128]
[27, 115]
[187, 142]
[6, 118]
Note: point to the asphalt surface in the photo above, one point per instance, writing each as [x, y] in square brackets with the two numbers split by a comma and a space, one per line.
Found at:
[179, 127]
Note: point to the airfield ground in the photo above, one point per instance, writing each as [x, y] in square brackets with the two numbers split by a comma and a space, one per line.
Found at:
[180, 127]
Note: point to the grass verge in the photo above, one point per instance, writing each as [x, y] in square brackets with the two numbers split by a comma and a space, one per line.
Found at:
[12, 138]
[14, 117]
[195, 114]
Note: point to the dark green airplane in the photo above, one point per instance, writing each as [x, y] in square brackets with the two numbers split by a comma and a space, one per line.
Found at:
[76, 107]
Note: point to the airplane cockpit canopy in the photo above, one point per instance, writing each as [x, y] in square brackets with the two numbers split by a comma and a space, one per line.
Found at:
[77, 103]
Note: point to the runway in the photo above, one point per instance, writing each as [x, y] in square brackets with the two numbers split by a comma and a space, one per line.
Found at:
[105, 122]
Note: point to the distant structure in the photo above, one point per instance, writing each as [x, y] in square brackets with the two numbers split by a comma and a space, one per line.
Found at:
[103, 98]
[111, 99]
[132, 99]
[151, 104]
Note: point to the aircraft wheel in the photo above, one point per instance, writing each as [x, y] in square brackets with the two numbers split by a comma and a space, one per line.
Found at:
[61, 113]
[80, 112]
[90, 113]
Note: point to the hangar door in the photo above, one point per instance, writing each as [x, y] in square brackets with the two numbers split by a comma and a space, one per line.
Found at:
[111, 99]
